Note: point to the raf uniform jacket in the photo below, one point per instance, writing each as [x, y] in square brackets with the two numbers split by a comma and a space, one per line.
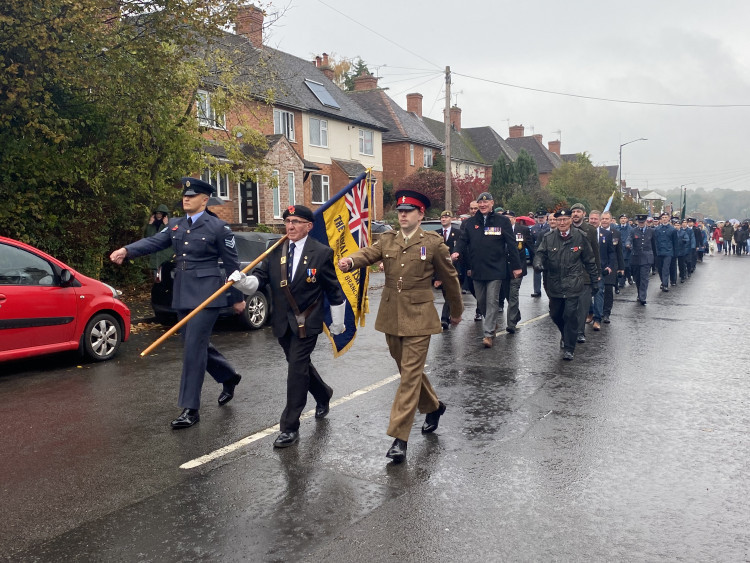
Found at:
[197, 249]
[488, 248]
[643, 246]
[665, 237]
[406, 307]
[307, 286]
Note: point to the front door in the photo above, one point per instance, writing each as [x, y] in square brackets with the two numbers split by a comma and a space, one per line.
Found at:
[249, 202]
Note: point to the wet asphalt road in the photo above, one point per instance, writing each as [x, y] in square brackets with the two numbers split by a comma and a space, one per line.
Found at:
[639, 450]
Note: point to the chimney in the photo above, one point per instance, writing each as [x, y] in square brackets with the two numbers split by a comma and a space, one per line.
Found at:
[317, 61]
[365, 82]
[414, 103]
[538, 137]
[456, 118]
[515, 131]
[249, 24]
[554, 146]
[325, 67]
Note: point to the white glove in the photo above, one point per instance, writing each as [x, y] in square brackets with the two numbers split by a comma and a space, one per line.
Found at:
[246, 284]
[337, 319]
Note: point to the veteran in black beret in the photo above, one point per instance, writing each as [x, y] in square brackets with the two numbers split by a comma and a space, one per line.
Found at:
[567, 261]
[199, 240]
[300, 273]
[412, 258]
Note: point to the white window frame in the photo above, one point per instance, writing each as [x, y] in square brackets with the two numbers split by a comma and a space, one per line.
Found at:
[207, 114]
[321, 126]
[290, 184]
[363, 135]
[220, 182]
[276, 195]
[411, 154]
[325, 187]
[283, 124]
[427, 157]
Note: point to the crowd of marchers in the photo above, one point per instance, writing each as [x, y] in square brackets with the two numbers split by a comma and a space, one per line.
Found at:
[582, 258]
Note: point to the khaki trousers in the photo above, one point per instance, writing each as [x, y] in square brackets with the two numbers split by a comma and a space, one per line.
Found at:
[414, 390]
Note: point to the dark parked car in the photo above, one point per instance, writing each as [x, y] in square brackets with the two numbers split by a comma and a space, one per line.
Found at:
[257, 308]
[46, 306]
[436, 225]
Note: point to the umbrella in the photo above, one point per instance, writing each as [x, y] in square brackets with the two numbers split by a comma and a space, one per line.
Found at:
[734, 221]
[524, 220]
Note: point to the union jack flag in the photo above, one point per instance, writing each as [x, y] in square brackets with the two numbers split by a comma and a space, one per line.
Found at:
[358, 204]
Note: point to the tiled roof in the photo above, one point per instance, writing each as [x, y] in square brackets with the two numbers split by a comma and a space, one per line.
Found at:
[351, 167]
[461, 147]
[489, 144]
[283, 75]
[546, 160]
[403, 126]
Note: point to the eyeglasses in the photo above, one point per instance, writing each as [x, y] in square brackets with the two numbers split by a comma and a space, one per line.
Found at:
[294, 222]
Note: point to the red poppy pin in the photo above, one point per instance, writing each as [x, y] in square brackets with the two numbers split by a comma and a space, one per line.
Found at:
[291, 209]
[476, 226]
[575, 248]
[175, 227]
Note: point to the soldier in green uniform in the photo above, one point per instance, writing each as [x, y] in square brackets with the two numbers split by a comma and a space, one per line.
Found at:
[407, 313]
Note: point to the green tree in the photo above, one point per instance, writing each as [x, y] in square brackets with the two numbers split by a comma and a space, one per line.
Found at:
[581, 182]
[503, 179]
[97, 116]
[359, 69]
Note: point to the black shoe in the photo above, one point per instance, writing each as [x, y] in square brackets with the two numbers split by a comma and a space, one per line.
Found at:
[433, 418]
[228, 393]
[581, 339]
[397, 451]
[286, 439]
[567, 355]
[536, 294]
[510, 329]
[617, 290]
[186, 419]
[444, 325]
[322, 409]
[665, 288]
[605, 319]
[478, 317]
[630, 281]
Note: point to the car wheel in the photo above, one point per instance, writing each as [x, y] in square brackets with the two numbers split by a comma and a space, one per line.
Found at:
[102, 337]
[256, 311]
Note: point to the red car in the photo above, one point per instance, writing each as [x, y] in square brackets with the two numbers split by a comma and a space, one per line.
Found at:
[46, 307]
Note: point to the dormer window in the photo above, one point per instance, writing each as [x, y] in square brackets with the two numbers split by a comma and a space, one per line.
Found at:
[207, 116]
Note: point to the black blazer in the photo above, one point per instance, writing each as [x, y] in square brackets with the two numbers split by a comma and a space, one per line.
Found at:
[306, 287]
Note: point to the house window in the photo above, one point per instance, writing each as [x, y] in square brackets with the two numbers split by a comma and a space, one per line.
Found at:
[290, 184]
[319, 188]
[220, 182]
[275, 192]
[466, 169]
[207, 116]
[318, 132]
[411, 155]
[283, 123]
[427, 158]
[366, 142]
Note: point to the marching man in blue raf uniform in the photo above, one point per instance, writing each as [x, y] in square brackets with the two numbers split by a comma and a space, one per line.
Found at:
[407, 313]
[300, 273]
[199, 240]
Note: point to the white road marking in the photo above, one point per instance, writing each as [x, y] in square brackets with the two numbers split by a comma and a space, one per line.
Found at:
[498, 333]
[197, 462]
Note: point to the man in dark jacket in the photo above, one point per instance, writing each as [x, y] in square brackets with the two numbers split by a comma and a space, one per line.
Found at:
[665, 240]
[512, 287]
[608, 261]
[488, 248]
[578, 212]
[300, 273]
[199, 240]
[612, 279]
[641, 244]
[538, 231]
[567, 260]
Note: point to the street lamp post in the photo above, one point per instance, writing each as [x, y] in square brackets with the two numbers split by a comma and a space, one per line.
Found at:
[619, 170]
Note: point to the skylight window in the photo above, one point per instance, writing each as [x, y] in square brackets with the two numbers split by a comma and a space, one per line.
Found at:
[323, 95]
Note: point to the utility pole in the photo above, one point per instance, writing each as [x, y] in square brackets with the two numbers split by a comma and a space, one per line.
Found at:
[447, 120]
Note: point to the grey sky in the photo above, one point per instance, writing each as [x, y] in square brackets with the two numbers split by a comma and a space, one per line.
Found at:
[678, 52]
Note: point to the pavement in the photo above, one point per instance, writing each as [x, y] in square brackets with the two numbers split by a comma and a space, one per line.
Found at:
[635, 451]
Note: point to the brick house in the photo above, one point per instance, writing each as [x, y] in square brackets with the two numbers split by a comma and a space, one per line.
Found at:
[408, 144]
[328, 139]
[547, 159]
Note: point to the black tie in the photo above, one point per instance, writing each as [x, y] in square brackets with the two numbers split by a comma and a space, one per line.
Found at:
[290, 262]
[190, 221]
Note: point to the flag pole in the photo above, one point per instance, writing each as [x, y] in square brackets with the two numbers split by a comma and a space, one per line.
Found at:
[216, 294]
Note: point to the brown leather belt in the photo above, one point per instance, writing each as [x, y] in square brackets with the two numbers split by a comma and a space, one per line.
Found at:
[400, 284]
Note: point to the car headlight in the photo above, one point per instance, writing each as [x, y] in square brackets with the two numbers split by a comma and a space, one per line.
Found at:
[116, 293]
